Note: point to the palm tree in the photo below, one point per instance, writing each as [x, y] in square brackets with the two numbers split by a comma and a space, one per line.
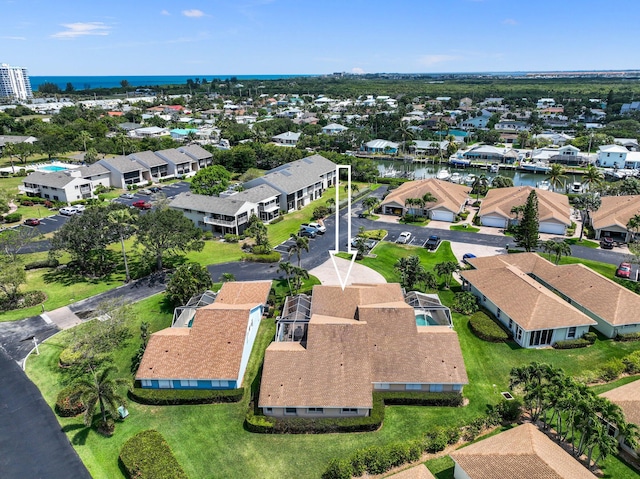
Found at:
[123, 223]
[480, 184]
[227, 277]
[370, 203]
[405, 132]
[592, 176]
[287, 268]
[84, 136]
[556, 175]
[300, 243]
[446, 270]
[562, 249]
[100, 390]
[587, 203]
[633, 225]
[298, 275]
[9, 150]
[331, 203]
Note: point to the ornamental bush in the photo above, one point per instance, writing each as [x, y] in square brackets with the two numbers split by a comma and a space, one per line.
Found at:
[632, 363]
[572, 344]
[486, 328]
[465, 303]
[628, 337]
[69, 357]
[12, 218]
[68, 403]
[148, 456]
[591, 337]
[43, 263]
[173, 397]
[612, 369]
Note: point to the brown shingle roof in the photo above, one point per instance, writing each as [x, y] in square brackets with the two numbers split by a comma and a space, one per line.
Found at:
[551, 206]
[416, 472]
[212, 348]
[519, 453]
[628, 398]
[450, 195]
[615, 211]
[523, 299]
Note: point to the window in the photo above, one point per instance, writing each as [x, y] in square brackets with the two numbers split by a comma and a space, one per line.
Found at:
[457, 387]
[413, 387]
[220, 384]
[146, 382]
[510, 323]
[188, 383]
[498, 313]
[268, 410]
[164, 383]
[349, 411]
[382, 386]
[316, 410]
[518, 333]
[484, 298]
[290, 411]
[572, 332]
[540, 338]
[436, 388]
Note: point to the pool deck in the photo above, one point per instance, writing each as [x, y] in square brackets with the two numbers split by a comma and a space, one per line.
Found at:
[42, 167]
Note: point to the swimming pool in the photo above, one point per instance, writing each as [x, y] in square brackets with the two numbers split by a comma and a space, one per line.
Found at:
[425, 320]
[52, 168]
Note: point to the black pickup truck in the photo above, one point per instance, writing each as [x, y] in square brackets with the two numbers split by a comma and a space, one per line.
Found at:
[432, 243]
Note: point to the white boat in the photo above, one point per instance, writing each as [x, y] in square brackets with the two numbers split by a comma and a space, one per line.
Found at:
[469, 179]
[494, 168]
[443, 174]
[544, 185]
[537, 166]
[456, 178]
[389, 172]
[576, 187]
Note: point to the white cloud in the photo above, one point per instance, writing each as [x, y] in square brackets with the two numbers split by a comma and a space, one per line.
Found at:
[357, 71]
[509, 21]
[193, 13]
[79, 29]
[13, 38]
[164, 12]
[429, 60]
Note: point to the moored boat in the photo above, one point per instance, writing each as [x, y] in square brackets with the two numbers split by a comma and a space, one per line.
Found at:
[443, 174]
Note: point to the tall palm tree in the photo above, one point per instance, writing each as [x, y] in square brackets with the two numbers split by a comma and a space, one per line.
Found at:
[287, 268]
[84, 136]
[405, 132]
[100, 390]
[480, 184]
[446, 270]
[300, 243]
[557, 175]
[370, 203]
[9, 151]
[592, 177]
[299, 274]
[123, 223]
[586, 203]
[633, 225]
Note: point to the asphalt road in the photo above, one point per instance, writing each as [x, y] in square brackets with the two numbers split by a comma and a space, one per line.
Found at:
[32, 443]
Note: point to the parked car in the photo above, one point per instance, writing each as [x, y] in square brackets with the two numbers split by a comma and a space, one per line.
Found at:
[369, 243]
[432, 243]
[68, 210]
[142, 204]
[624, 270]
[320, 229]
[404, 237]
[155, 189]
[606, 243]
[145, 191]
[127, 196]
[467, 256]
[80, 208]
[32, 222]
[307, 232]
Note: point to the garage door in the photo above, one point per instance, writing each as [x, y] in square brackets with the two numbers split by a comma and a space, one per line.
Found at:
[494, 221]
[552, 228]
[440, 215]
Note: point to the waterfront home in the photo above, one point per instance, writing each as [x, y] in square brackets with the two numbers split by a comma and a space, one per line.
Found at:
[554, 212]
[288, 138]
[611, 219]
[424, 147]
[361, 339]
[381, 146]
[450, 199]
[333, 129]
[212, 350]
[628, 398]
[485, 153]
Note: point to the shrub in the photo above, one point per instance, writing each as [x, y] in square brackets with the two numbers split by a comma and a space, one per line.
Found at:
[320, 212]
[27, 203]
[148, 456]
[173, 397]
[572, 343]
[465, 303]
[69, 357]
[12, 217]
[68, 403]
[408, 218]
[44, 263]
[612, 369]
[473, 429]
[436, 440]
[486, 328]
[231, 238]
[509, 411]
[632, 363]
[591, 337]
[277, 220]
[272, 257]
[625, 336]
[339, 469]
[207, 236]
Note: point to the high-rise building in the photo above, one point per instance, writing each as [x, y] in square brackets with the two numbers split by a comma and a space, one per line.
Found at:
[14, 82]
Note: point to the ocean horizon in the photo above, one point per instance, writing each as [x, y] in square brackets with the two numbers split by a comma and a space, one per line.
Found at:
[113, 81]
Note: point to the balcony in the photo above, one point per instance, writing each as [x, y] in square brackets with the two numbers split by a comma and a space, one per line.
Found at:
[29, 189]
[269, 207]
[219, 222]
[85, 190]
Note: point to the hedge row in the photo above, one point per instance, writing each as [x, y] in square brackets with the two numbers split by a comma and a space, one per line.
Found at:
[571, 344]
[258, 423]
[68, 403]
[486, 328]
[628, 337]
[174, 397]
[272, 257]
[43, 263]
[148, 456]
[12, 218]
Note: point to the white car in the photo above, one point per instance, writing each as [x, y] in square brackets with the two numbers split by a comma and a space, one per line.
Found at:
[80, 208]
[404, 237]
[68, 210]
[127, 196]
[320, 228]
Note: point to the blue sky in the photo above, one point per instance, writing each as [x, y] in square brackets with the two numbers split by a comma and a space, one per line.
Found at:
[221, 37]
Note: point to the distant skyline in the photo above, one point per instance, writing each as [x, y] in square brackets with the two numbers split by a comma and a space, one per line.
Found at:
[242, 37]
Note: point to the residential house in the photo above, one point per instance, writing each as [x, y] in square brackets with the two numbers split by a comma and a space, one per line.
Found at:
[554, 212]
[606, 302]
[126, 171]
[523, 452]
[288, 138]
[476, 122]
[299, 182]
[182, 134]
[178, 163]
[200, 155]
[149, 132]
[334, 129]
[610, 220]
[630, 107]
[612, 156]
[212, 350]
[450, 199]
[630, 144]
[511, 126]
[6, 139]
[535, 316]
[545, 103]
[465, 102]
[361, 339]
[423, 147]
[66, 186]
[568, 155]
[628, 398]
[486, 153]
[158, 168]
[381, 146]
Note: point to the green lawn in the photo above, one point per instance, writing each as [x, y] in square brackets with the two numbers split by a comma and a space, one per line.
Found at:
[464, 227]
[585, 242]
[442, 467]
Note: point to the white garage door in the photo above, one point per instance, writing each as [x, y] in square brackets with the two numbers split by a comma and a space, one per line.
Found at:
[551, 228]
[494, 221]
[440, 215]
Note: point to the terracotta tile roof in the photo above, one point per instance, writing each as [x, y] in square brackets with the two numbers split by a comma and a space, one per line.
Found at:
[551, 206]
[450, 195]
[523, 299]
[416, 472]
[212, 348]
[361, 335]
[519, 453]
[628, 398]
[615, 211]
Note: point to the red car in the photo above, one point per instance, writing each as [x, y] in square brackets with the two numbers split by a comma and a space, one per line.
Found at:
[624, 270]
[32, 222]
[141, 204]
